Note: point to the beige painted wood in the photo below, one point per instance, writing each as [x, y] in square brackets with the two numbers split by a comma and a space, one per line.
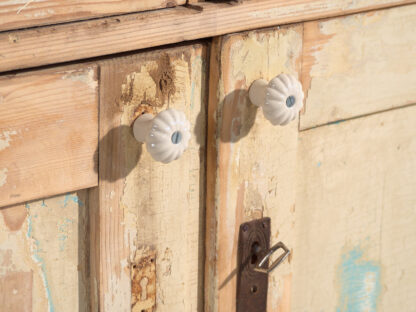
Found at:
[43, 255]
[144, 207]
[16, 14]
[251, 164]
[359, 64]
[48, 133]
[73, 41]
[355, 215]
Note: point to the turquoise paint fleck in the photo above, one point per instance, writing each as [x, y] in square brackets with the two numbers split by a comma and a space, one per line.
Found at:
[337, 122]
[360, 283]
[73, 198]
[319, 164]
[39, 260]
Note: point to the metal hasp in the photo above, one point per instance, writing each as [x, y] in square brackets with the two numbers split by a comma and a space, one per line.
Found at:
[253, 266]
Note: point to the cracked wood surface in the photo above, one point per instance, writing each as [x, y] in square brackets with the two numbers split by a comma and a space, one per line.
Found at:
[16, 14]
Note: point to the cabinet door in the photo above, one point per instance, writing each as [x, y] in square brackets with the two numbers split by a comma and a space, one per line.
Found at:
[147, 224]
[251, 165]
[355, 215]
[340, 189]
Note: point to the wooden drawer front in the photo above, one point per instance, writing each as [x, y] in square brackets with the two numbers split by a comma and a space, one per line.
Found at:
[27, 13]
[48, 133]
[358, 65]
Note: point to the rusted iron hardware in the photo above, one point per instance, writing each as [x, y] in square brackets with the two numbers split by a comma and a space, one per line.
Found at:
[253, 267]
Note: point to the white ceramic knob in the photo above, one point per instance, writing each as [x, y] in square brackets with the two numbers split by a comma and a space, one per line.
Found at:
[166, 135]
[281, 98]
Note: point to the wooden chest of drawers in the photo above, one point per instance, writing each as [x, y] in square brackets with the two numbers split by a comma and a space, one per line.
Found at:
[89, 221]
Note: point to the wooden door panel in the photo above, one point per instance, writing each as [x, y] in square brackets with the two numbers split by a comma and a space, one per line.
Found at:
[355, 215]
[25, 13]
[358, 64]
[144, 211]
[44, 255]
[48, 132]
[251, 164]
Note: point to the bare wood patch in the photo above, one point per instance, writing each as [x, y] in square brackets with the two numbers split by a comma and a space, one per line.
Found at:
[143, 280]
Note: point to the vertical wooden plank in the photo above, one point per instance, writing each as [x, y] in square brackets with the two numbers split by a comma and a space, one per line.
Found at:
[44, 255]
[250, 164]
[355, 215]
[358, 64]
[145, 206]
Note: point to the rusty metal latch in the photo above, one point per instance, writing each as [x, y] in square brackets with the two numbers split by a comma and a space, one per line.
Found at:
[253, 257]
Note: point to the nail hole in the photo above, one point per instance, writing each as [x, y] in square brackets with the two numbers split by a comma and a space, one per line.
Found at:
[290, 101]
[253, 259]
[253, 289]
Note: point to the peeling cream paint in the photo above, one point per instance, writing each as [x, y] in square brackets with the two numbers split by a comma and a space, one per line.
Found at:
[5, 138]
[3, 176]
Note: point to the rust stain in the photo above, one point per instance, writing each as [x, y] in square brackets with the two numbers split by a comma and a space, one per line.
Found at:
[143, 109]
[164, 77]
[143, 281]
[14, 216]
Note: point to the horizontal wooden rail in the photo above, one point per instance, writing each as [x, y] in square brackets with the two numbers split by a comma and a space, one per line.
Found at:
[67, 42]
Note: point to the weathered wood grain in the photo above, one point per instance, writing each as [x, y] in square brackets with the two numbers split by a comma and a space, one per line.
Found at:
[355, 215]
[359, 64]
[73, 41]
[48, 133]
[28, 13]
[250, 164]
[44, 255]
[144, 205]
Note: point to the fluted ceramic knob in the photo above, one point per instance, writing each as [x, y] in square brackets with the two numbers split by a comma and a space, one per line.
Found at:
[166, 135]
[281, 98]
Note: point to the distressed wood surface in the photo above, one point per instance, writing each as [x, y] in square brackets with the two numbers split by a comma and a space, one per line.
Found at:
[251, 164]
[48, 133]
[359, 64]
[146, 207]
[73, 41]
[28, 13]
[355, 215]
[44, 255]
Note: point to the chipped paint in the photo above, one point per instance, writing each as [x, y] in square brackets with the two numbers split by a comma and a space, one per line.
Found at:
[359, 281]
[3, 176]
[342, 55]
[85, 76]
[71, 197]
[35, 248]
[6, 138]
